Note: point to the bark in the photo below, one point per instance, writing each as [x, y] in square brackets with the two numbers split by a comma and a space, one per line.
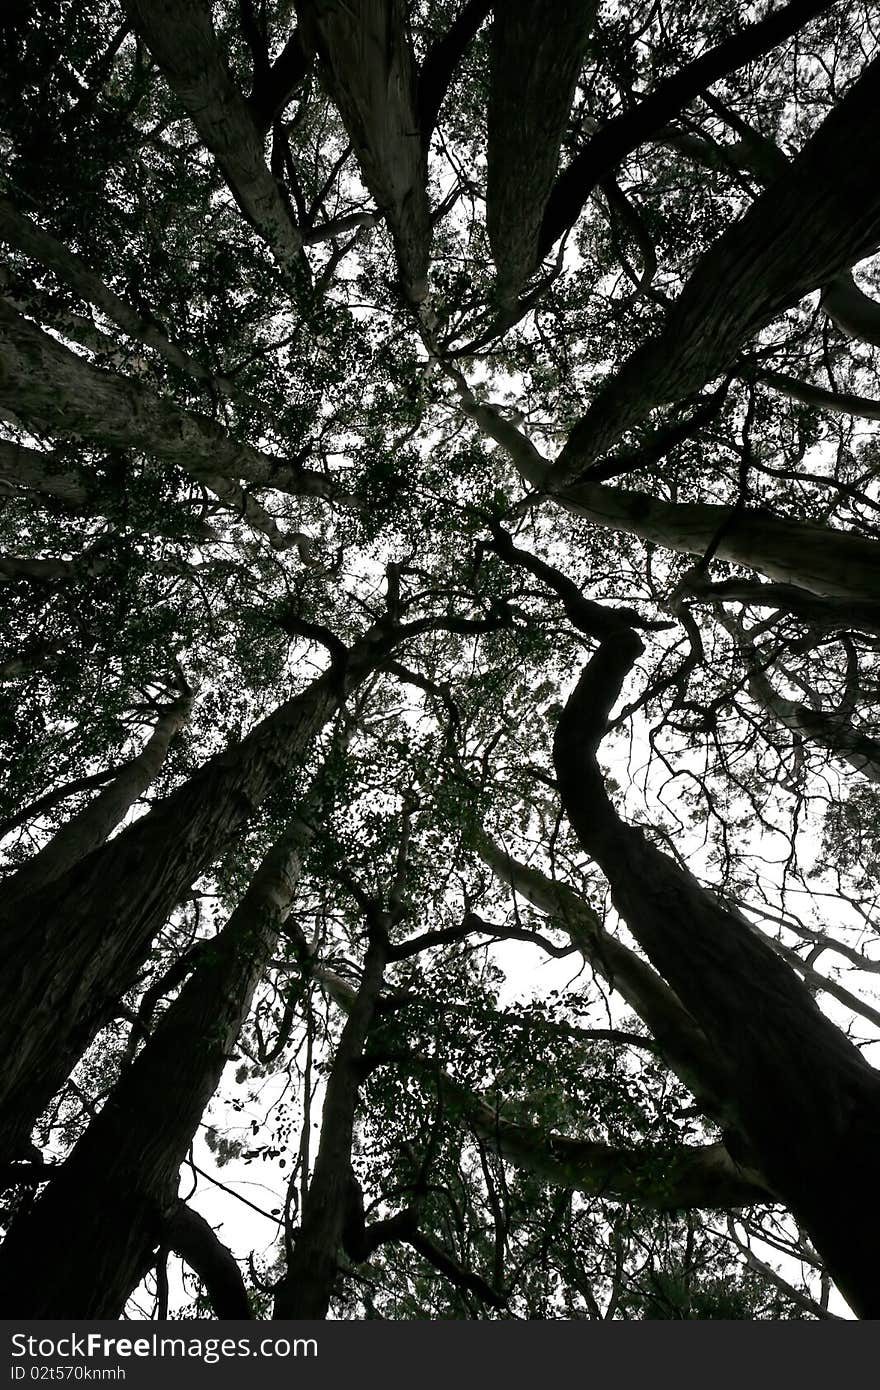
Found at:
[44, 571]
[657, 1176]
[827, 613]
[819, 216]
[91, 826]
[189, 1235]
[38, 476]
[181, 37]
[273, 90]
[808, 1105]
[306, 1289]
[809, 394]
[55, 392]
[33, 471]
[830, 729]
[816, 559]
[83, 1247]
[682, 1043]
[26, 236]
[852, 310]
[369, 71]
[537, 51]
[623, 135]
[836, 564]
[74, 949]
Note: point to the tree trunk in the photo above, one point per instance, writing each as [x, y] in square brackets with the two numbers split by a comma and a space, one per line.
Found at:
[180, 35]
[808, 1105]
[537, 51]
[820, 216]
[55, 392]
[307, 1287]
[86, 1243]
[91, 826]
[837, 564]
[368, 68]
[73, 949]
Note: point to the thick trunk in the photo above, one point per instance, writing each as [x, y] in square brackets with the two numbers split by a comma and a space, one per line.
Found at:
[441, 62]
[72, 950]
[33, 471]
[839, 402]
[55, 392]
[807, 1103]
[189, 1236]
[657, 1176]
[818, 612]
[307, 1287]
[537, 51]
[812, 558]
[91, 826]
[181, 37]
[84, 1246]
[369, 71]
[820, 216]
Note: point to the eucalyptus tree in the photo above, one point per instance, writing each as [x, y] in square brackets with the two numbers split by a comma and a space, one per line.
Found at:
[439, 555]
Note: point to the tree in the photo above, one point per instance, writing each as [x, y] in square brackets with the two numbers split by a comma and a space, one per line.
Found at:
[441, 575]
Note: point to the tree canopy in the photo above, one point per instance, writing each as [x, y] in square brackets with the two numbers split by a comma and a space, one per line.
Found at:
[440, 573]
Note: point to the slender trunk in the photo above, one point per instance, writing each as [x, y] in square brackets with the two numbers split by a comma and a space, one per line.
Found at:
[821, 215]
[73, 949]
[86, 1243]
[91, 826]
[307, 1287]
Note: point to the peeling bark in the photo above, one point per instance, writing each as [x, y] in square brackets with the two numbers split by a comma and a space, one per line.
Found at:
[369, 71]
[537, 51]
